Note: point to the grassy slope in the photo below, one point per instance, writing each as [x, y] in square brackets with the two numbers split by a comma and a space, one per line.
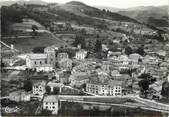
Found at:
[156, 16]
[27, 44]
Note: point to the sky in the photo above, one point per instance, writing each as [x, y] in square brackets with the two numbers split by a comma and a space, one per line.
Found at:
[115, 3]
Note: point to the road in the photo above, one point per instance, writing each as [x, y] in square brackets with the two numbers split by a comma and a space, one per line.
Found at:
[143, 103]
[8, 46]
[149, 103]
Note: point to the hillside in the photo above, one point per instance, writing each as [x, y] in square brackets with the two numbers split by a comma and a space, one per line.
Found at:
[79, 9]
[156, 16]
[75, 13]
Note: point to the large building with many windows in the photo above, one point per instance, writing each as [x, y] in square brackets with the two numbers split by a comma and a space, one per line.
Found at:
[111, 87]
[39, 88]
[50, 102]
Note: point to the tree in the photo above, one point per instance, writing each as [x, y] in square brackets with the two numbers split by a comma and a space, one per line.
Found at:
[34, 28]
[98, 46]
[79, 39]
[56, 90]
[128, 50]
[140, 50]
[165, 90]
[90, 46]
[145, 76]
[144, 85]
[48, 89]
[38, 50]
[27, 85]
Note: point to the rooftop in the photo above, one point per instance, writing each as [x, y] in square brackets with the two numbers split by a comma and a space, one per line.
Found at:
[37, 56]
[50, 98]
[54, 84]
[39, 83]
[106, 82]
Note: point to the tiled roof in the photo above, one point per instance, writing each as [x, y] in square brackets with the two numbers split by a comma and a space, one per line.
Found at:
[51, 98]
[37, 56]
[105, 82]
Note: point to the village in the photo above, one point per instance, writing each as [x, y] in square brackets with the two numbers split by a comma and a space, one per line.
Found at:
[57, 72]
[123, 67]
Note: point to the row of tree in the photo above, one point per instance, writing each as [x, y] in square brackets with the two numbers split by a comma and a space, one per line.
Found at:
[139, 50]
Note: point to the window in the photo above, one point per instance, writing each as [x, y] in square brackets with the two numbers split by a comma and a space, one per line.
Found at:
[45, 61]
[53, 107]
[35, 62]
[96, 92]
[46, 107]
[46, 102]
[40, 62]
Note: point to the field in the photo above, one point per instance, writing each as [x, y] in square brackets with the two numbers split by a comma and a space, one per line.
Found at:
[25, 40]
[27, 44]
[27, 24]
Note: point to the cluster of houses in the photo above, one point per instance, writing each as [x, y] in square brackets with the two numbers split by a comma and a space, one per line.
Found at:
[108, 77]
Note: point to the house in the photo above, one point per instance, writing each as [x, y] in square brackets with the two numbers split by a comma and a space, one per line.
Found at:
[156, 88]
[150, 59]
[164, 66]
[45, 68]
[39, 88]
[106, 66]
[102, 75]
[64, 78]
[161, 53]
[111, 54]
[86, 66]
[55, 84]
[108, 87]
[119, 77]
[65, 63]
[36, 60]
[104, 47]
[19, 96]
[158, 73]
[135, 57]
[80, 55]
[78, 79]
[50, 102]
[62, 55]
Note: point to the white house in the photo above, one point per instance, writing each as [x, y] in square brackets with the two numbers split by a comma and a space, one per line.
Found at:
[135, 57]
[110, 87]
[81, 54]
[36, 60]
[50, 102]
[150, 59]
[39, 88]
